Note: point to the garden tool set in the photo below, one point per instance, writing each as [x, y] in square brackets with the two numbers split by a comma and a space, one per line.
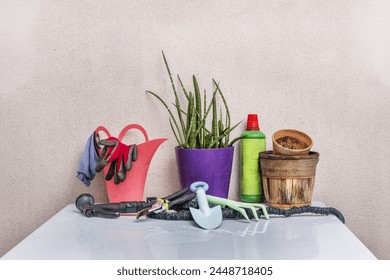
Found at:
[205, 217]
[206, 210]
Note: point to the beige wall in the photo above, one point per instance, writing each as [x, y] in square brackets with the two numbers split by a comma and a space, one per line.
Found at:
[68, 66]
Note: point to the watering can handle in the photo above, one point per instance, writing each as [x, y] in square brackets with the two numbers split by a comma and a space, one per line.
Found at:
[102, 128]
[131, 126]
[124, 130]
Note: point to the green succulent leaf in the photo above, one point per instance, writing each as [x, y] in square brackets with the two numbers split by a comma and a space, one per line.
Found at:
[189, 123]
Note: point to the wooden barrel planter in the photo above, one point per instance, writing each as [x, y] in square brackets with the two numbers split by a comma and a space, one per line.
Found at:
[288, 181]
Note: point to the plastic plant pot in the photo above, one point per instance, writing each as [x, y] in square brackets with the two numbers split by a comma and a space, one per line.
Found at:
[213, 166]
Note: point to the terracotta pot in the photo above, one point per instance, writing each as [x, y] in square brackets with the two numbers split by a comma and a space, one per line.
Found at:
[295, 142]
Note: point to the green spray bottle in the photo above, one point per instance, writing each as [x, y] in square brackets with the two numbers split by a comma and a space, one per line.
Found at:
[252, 143]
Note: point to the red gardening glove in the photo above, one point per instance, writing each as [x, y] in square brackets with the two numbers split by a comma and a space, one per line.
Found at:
[112, 151]
[119, 155]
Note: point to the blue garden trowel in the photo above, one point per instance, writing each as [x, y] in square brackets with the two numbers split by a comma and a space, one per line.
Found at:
[205, 217]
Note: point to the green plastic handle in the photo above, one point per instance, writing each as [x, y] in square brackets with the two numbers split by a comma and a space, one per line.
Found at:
[238, 206]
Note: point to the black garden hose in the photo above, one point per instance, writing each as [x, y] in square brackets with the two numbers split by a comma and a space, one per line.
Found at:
[227, 213]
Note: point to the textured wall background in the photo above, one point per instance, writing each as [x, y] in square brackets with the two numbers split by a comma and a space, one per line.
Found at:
[68, 66]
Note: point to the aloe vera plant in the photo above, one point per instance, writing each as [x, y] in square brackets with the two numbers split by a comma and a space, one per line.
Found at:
[189, 122]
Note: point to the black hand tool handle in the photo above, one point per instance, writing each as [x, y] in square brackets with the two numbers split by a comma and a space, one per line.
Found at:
[104, 214]
[181, 200]
[177, 194]
[117, 207]
[124, 207]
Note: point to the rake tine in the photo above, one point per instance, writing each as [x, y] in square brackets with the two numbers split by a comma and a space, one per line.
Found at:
[253, 212]
[265, 212]
[241, 210]
[250, 207]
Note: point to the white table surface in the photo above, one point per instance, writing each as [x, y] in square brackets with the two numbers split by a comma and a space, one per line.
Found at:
[70, 235]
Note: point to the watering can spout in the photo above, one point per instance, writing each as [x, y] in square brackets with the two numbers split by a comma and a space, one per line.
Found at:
[147, 150]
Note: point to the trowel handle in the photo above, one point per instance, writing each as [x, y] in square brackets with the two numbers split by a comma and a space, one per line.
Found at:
[200, 189]
[199, 185]
[217, 200]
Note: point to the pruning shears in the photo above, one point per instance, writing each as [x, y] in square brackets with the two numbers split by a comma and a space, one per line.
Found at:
[166, 203]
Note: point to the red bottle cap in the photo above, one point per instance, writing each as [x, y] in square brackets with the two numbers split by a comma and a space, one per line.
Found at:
[253, 122]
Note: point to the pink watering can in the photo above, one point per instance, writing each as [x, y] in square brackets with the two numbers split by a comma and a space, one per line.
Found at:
[132, 188]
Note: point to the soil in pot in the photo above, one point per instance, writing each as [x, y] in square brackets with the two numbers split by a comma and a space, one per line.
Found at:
[291, 143]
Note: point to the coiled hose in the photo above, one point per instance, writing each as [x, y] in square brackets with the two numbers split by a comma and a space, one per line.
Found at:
[184, 213]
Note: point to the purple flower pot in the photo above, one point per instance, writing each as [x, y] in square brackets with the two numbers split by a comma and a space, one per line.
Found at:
[213, 166]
